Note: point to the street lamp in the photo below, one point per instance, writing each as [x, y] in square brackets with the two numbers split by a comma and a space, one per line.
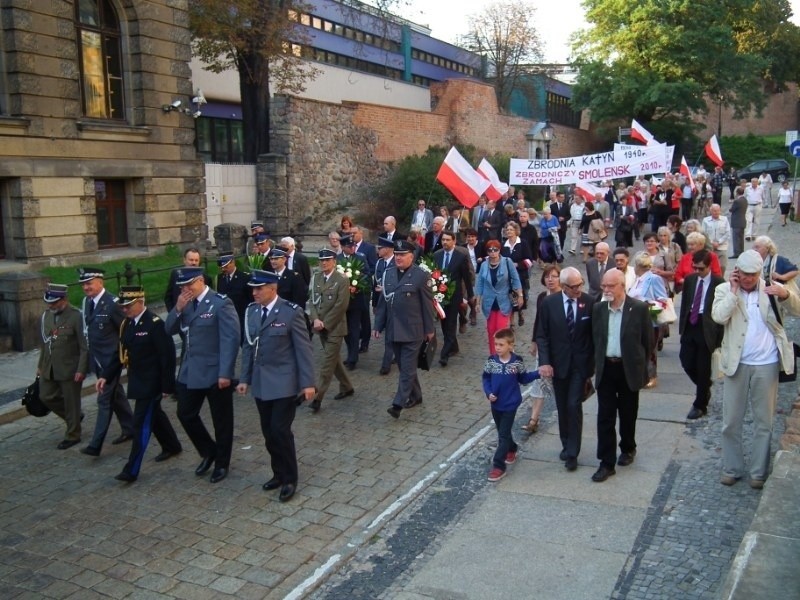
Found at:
[547, 134]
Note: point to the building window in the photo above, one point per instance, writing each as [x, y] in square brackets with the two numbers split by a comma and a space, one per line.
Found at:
[100, 47]
[559, 110]
[110, 207]
[220, 140]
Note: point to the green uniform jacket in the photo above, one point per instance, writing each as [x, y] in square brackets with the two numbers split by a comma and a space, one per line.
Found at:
[63, 350]
[328, 302]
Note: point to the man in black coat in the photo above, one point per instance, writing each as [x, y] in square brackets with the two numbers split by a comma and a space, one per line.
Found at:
[492, 223]
[359, 302]
[291, 286]
[566, 353]
[233, 283]
[370, 252]
[296, 260]
[455, 264]
[560, 210]
[433, 239]
[596, 267]
[700, 334]
[149, 354]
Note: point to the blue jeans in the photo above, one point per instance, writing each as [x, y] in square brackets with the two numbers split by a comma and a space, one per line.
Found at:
[504, 421]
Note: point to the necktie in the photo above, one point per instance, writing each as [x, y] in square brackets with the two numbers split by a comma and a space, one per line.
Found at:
[195, 303]
[570, 317]
[601, 268]
[446, 259]
[264, 313]
[694, 316]
[90, 308]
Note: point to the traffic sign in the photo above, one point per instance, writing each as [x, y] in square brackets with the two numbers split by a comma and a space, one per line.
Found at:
[794, 148]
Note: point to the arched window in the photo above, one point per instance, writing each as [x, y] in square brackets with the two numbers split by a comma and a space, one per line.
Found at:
[99, 40]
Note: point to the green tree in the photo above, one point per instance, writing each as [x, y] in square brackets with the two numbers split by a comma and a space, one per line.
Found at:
[658, 61]
[262, 40]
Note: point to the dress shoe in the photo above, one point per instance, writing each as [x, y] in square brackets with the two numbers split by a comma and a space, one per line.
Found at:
[126, 477]
[90, 451]
[394, 411]
[121, 439]
[350, 366]
[696, 413]
[562, 455]
[571, 464]
[411, 403]
[272, 484]
[287, 491]
[384, 371]
[603, 473]
[341, 395]
[757, 484]
[728, 480]
[219, 474]
[204, 465]
[315, 405]
[166, 455]
[443, 362]
[462, 329]
[64, 444]
[626, 458]
[363, 350]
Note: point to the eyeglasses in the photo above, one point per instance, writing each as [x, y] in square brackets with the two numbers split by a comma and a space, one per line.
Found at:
[493, 250]
[577, 286]
[699, 268]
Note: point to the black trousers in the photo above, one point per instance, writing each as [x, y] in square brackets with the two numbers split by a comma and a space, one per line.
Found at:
[408, 388]
[149, 417]
[614, 397]
[569, 392]
[354, 315]
[696, 362]
[220, 402]
[366, 327]
[449, 329]
[276, 418]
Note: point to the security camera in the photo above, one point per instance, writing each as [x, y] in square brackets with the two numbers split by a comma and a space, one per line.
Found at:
[196, 113]
[199, 98]
[175, 103]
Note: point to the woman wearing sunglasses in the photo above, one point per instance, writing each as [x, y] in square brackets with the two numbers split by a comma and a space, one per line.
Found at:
[496, 284]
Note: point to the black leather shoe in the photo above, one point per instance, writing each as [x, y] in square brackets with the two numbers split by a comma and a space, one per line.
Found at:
[272, 484]
[287, 491]
[350, 366]
[571, 464]
[204, 465]
[394, 411]
[563, 455]
[696, 413]
[412, 403]
[64, 444]
[126, 477]
[218, 475]
[384, 371]
[90, 451]
[341, 395]
[603, 473]
[443, 362]
[315, 405]
[363, 350]
[121, 439]
[626, 458]
[166, 455]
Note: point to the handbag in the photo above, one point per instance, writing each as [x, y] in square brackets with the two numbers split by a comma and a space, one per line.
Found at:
[588, 389]
[783, 376]
[668, 315]
[426, 353]
[32, 402]
[512, 295]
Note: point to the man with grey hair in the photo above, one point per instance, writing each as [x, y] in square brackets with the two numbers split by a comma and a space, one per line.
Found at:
[718, 232]
[296, 261]
[433, 239]
[754, 204]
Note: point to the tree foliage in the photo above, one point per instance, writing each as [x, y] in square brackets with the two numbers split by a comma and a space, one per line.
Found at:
[658, 61]
[253, 37]
[505, 34]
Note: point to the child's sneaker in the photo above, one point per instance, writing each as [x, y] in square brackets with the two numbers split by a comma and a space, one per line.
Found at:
[496, 474]
[511, 457]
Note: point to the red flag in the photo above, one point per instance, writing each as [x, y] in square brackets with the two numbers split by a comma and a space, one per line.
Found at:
[686, 172]
[458, 176]
[713, 152]
[496, 188]
[640, 133]
[588, 190]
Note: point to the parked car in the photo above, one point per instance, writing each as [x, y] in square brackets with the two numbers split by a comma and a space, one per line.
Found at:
[776, 167]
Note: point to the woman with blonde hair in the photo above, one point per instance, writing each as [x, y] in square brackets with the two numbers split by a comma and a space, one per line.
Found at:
[649, 287]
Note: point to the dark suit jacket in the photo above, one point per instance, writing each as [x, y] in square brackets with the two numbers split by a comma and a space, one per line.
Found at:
[495, 225]
[237, 290]
[370, 253]
[561, 214]
[712, 331]
[292, 288]
[556, 348]
[459, 272]
[738, 211]
[430, 247]
[405, 309]
[635, 340]
[593, 277]
[480, 254]
[301, 267]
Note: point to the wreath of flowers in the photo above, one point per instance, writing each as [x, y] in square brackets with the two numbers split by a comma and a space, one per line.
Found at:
[656, 308]
[355, 271]
[441, 284]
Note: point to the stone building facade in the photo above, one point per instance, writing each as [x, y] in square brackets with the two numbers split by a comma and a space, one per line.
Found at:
[93, 154]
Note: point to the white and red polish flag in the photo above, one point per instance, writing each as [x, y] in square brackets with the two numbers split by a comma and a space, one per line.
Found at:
[713, 152]
[496, 187]
[686, 172]
[588, 190]
[458, 176]
[640, 133]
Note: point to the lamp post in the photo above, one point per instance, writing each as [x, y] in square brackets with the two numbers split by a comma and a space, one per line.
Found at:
[547, 135]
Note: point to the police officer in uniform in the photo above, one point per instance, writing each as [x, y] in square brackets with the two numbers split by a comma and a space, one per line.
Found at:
[63, 361]
[148, 352]
[233, 283]
[211, 326]
[102, 317]
[278, 366]
[405, 312]
[358, 302]
[386, 261]
[328, 302]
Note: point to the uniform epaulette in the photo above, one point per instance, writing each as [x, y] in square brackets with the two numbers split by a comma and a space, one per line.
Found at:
[156, 318]
[251, 304]
[292, 304]
[221, 295]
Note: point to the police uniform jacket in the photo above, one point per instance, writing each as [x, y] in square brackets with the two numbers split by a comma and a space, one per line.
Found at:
[328, 302]
[405, 310]
[212, 340]
[64, 350]
[237, 290]
[150, 354]
[277, 355]
[380, 267]
[102, 330]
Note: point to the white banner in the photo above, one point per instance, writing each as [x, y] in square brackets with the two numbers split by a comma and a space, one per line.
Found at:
[639, 160]
[670, 150]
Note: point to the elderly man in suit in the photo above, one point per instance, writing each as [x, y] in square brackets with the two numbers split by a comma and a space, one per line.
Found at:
[456, 264]
[700, 335]
[477, 213]
[738, 220]
[102, 317]
[596, 267]
[148, 352]
[63, 361]
[433, 239]
[566, 353]
[422, 218]
[621, 333]
[560, 209]
[296, 260]
[492, 223]
[211, 326]
[405, 313]
[328, 301]
[278, 370]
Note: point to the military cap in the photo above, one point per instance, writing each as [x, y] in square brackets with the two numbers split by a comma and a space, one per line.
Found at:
[261, 237]
[403, 247]
[326, 253]
[187, 275]
[128, 294]
[256, 224]
[347, 240]
[259, 278]
[278, 252]
[384, 242]
[88, 273]
[223, 260]
[55, 292]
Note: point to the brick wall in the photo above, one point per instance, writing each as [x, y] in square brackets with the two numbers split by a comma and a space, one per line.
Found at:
[779, 116]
